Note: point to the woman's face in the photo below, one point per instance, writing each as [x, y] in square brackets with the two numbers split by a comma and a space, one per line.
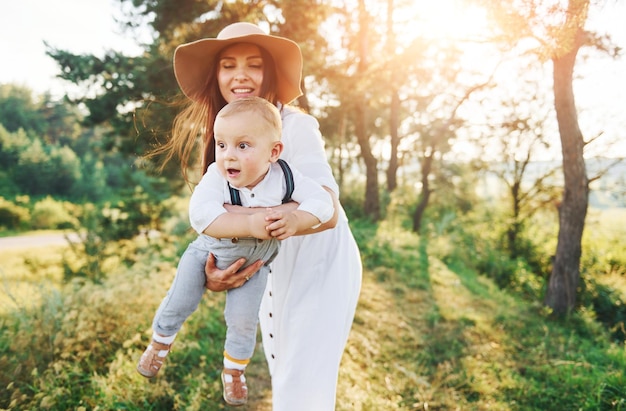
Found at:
[240, 71]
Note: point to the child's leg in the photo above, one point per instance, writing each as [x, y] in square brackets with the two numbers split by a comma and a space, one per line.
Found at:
[242, 317]
[184, 294]
[181, 300]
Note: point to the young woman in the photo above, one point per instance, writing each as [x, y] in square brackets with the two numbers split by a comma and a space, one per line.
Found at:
[313, 287]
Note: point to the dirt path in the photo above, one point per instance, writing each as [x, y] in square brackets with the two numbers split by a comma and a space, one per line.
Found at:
[36, 240]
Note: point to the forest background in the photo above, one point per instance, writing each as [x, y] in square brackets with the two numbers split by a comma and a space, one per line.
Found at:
[442, 126]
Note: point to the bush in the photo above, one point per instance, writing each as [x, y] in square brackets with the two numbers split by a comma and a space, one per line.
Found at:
[608, 305]
[51, 214]
[13, 216]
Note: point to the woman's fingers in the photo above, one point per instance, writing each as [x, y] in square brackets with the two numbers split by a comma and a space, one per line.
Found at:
[249, 271]
[230, 277]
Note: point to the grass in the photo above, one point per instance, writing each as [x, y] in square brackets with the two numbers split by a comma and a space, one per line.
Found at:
[426, 337]
[26, 274]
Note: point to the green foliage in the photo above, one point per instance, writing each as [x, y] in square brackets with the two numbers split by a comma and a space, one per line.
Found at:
[475, 241]
[478, 240]
[12, 144]
[54, 121]
[60, 160]
[101, 229]
[13, 216]
[47, 170]
[608, 305]
[18, 110]
[49, 213]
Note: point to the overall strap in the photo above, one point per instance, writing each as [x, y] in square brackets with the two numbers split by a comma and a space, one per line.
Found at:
[235, 198]
[288, 180]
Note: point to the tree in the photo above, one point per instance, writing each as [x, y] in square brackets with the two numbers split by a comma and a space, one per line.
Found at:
[19, 110]
[563, 283]
[518, 131]
[558, 32]
[435, 120]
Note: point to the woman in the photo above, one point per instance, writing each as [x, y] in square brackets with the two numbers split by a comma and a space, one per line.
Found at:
[314, 284]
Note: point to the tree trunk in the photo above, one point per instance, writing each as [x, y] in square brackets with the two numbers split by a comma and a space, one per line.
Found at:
[515, 226]
[394, 108]
[563, 283]
[394, 114]
[372, 202]
[418, 215]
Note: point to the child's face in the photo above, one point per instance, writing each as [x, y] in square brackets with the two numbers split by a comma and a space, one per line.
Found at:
[244, 147]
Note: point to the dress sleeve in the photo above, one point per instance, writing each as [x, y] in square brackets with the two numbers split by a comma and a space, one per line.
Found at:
[304, 148]
[311, 197]
[207, 200]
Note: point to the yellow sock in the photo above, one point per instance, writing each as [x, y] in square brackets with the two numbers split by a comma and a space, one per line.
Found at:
[234, 363]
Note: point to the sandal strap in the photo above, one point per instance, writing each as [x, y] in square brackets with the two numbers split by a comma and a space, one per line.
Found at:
[233, 372]
[160, 346]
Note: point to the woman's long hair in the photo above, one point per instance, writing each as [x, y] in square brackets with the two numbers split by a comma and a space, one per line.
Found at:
[194, 124]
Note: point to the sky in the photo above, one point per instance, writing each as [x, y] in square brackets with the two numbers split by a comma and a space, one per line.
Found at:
[79, 26]
[88, 26]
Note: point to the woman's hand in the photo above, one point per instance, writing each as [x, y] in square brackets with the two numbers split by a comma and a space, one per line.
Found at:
[230, 277]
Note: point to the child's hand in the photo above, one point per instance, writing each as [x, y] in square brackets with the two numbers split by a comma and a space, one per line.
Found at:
[258, 225]
[283, 225]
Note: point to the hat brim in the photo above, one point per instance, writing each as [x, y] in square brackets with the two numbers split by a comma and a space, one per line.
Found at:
[193, 61]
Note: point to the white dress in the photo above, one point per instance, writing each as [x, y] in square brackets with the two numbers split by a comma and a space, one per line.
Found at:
[312, 291]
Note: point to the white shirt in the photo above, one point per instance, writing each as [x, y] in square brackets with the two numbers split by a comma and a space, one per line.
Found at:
[210, 195]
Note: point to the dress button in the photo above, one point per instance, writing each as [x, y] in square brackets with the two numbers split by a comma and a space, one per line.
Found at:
[271, 315]
[273, 356]
[252, 195]
[270, 293]
[271, 335]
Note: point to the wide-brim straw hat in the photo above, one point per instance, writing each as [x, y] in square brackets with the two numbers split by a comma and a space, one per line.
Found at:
[193, 61]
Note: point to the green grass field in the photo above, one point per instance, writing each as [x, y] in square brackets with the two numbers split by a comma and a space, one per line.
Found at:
[426, 337]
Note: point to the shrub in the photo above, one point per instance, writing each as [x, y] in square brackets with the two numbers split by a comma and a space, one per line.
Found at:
[13, 216]
[51, 214]
[608, 305]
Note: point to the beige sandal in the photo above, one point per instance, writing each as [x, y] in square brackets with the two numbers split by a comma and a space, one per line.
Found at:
[150, 362]
[235, 388]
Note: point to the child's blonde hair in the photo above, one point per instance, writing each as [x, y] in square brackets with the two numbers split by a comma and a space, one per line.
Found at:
[268, 112]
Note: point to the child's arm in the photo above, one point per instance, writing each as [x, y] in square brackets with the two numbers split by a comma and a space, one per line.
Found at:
[289, 207]
[240, 225]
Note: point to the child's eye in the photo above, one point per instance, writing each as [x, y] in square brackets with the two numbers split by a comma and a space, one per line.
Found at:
[243, 146]
[220, 145]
